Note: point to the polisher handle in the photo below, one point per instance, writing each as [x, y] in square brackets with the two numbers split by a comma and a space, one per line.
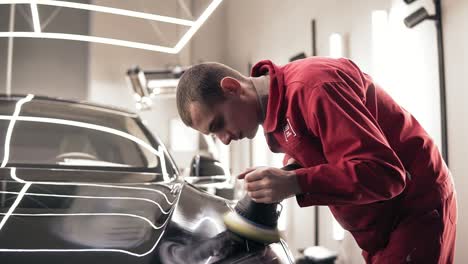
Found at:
[260, 213]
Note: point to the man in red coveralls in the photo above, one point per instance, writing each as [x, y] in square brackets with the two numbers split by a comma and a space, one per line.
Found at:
[362, 154]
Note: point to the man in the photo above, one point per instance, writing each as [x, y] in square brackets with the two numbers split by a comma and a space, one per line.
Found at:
[362, 154]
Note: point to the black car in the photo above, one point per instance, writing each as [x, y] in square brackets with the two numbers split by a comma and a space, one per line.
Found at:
[83, 183]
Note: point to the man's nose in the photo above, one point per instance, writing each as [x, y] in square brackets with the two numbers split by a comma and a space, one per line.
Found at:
[224, 137]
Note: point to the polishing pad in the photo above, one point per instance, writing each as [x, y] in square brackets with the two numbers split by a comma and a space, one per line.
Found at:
[250, 230]
[256, 221]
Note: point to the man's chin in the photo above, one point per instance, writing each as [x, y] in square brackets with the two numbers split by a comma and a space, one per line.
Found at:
[252, 134]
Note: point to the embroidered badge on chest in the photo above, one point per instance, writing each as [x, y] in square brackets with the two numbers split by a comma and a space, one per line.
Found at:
[288, 130]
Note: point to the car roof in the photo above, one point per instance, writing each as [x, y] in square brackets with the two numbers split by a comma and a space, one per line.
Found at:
[114, 109]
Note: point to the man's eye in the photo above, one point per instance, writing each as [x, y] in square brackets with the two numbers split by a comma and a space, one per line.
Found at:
[219, 124]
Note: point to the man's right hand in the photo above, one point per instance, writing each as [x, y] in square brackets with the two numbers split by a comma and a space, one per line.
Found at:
[269, 185]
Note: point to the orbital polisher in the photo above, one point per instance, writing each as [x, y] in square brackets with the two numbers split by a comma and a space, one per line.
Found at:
[256, 221]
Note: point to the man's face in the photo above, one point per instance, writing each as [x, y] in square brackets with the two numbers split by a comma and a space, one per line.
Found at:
[233, 119]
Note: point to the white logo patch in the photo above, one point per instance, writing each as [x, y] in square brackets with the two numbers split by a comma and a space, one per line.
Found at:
[288, 130]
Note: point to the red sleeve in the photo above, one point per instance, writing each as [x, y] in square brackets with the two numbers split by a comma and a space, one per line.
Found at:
[362, 168]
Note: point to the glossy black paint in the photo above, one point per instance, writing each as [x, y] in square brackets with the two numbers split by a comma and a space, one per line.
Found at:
[96, 214]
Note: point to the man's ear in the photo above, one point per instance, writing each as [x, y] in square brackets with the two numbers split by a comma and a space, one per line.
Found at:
[230, 86]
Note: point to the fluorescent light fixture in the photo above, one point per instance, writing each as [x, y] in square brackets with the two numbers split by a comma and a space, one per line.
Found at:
[105, 9]
[35, 17]
[194, 25]
[204, 16]
[336, 45]
[110, 41]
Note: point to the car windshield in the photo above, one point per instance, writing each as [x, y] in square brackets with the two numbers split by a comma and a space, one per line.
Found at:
[45, 132]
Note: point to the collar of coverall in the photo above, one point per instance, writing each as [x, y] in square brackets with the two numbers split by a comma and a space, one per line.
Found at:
[276, 93]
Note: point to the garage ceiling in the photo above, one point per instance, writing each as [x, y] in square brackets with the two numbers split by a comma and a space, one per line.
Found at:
[158, 22]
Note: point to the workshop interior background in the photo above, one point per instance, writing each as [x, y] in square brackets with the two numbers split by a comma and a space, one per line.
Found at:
[240, 33]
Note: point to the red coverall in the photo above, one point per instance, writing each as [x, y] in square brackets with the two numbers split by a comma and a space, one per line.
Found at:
[365, 157]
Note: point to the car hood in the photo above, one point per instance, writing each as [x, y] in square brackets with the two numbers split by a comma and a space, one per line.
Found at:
[49, 215]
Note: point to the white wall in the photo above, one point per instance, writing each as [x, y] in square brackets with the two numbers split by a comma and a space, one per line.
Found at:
[408, 69]
[414, 82]
[456, 61]
[277, 30]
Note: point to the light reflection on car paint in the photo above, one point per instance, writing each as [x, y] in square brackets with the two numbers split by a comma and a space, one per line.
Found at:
[27, 184]
[13, 176]
[113, 131]
[18, 106]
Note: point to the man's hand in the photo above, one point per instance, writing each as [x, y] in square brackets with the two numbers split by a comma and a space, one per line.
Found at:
[269, 185]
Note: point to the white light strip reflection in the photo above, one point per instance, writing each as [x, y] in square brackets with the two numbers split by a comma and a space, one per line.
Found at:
[15, 204]
[105, 9]
[85, 125]
[13, 176]
[87, 250]
[12, 119]
[207, 219]
[204, 16]
[93, 197]
[110, 41]
[95, 214]
[35, 17]
[163, 164]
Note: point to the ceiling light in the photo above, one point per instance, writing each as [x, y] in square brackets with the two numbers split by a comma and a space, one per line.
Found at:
[115, 42]
[35, 17]
[194, 25]
[105, 9]
[203, 17]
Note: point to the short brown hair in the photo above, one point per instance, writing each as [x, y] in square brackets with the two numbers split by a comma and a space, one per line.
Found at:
[201, 83]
